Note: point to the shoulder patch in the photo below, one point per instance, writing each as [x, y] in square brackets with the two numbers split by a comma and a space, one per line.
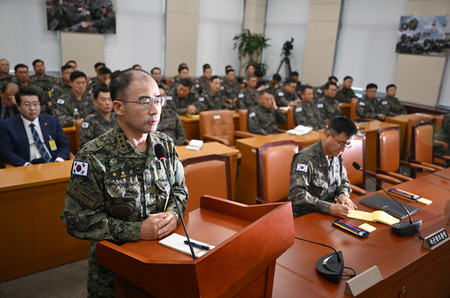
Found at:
[320, 105]
[241, 95]
[362, 103]
[280, 93]
[83, 195]
[384, 102]
[168, 97]
[298, 109]
[252, 114]
[201, 99]
[85, 124]
[80, 168]
[301, 167]
[60, 101]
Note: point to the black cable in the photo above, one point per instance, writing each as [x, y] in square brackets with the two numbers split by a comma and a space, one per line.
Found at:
[349, 275]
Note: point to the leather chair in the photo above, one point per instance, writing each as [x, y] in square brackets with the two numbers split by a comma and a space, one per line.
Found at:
[217, 126]
[357, 152]
[243, 127]
[77, 132]
[353, 113]
[422, 146]
[274, 170]
[209, 174]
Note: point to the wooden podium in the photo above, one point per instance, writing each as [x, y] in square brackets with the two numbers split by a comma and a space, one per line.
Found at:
[247, 240]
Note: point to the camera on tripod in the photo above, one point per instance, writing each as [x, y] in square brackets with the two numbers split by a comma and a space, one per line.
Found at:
[287, 47]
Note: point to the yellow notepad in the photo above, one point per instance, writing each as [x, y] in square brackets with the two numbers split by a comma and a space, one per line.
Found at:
[374, 216]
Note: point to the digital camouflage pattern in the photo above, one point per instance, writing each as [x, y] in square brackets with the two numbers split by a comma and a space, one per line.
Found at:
[282, 97]
[121, 187]
[230, 90]
[95, 125]
[181, 104]
[66, 104]
[171, 125]
[444, 135]
[202, 85]
[345, 95]
[307, 115]
[390, 106]
[46, 83]
[264, 121]
[329, 108]
[315, 180]
[247, 99]
[367, 108]
[59, 89]
[216, 101]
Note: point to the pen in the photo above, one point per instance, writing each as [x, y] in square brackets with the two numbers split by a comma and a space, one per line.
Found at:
[197, 245]
[339, 200]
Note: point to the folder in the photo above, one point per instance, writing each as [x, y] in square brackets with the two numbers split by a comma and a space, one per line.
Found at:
[388, 205]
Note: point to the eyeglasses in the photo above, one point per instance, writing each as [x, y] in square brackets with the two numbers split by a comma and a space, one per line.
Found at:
[147, 102]
[342, 145]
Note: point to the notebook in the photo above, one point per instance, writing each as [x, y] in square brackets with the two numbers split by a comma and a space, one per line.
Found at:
[380, 202]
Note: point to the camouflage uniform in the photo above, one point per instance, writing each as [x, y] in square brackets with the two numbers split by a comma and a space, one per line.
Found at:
[346, 95]
[367, 108]
[118, 189]
[230, 90]
[95, 125]
[444, 135]
[271, 88]
[308, 115]
[216, 101]
[181, 104]
[171, 125]
[5, 80]
[66, 104]
[44, 96]
[264, 121]
[46, 83]
[315, 180]
[390, 106]
[247, 99]
[202, 85]
[329, 108]
[282, 97]
[59, 89]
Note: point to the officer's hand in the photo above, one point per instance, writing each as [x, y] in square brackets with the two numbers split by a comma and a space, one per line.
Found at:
[167, 225]
[192, 109]
[347, 202]
[338, 210]
[381, 117]
[149, 227]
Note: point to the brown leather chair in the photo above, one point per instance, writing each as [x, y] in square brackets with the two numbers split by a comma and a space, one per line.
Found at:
[217, 126]
[77, 132]
[353, 113]
[243, 127]
[422, 145]
[357, 152]
[209, 174]
[274, 170]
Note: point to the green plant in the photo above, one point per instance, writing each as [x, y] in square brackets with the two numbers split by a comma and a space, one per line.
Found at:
[251, 45]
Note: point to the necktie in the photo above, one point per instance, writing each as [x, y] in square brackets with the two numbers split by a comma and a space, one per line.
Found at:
[39, 144]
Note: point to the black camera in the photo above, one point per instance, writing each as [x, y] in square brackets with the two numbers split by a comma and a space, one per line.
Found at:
[287, 47]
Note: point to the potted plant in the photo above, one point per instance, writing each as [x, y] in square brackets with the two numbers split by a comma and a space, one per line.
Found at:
[250, 46]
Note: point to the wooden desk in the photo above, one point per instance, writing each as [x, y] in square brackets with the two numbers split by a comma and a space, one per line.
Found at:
[371, 129]
[214, 148]
[402, 261]
[246, 186]
[33, 236]
[345, 109]
[405, 130]
[191, 125]
[70, 133]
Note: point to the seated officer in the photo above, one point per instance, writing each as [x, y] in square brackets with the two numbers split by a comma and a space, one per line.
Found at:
[318, 174]
[327, 104]
[306, 113]
[183, 100]
[5, 77]
[368, 106]
[8, 106]
[274, 84]
[104, 78]
[64, 84]
[31, 137]
[102, 120]
[444, 135]
[213, 98]
[346, 93]
[318, 91]
[156, 74]
[40, 78]
[264, 118]
[247, 98]
[230, 87]
[286, 96]
[390, 105]
[183, 73]
[170, 123]
[202, 85]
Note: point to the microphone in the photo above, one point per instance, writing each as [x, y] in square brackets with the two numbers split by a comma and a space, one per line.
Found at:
[430, 172]
[402, 228]
[329, 266]
[161, 155]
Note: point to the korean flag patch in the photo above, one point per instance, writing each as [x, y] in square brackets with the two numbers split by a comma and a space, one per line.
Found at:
[301, 167]
[80, 168]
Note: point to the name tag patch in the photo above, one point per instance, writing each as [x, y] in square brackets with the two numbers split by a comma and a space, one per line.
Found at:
[122, 174]
[201, 99]
[298, 109]
[301, 167]
[252, 114]
[361, 103]
[80, 168]
[60, 101]
[85, 125]
[320, 105]
[241, 95]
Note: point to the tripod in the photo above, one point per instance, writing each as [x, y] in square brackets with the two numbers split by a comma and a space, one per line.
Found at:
[288, 66]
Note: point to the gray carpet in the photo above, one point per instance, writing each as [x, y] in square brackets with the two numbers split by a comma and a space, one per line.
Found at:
[65, 281]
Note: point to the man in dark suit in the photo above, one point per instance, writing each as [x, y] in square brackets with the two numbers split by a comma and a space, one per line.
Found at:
[31, 138]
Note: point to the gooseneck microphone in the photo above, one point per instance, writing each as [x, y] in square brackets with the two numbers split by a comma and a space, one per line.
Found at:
[161, 155]
[402, 228]
[430, 172]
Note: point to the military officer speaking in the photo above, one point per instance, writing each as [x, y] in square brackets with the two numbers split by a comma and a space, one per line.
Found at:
[118, 188]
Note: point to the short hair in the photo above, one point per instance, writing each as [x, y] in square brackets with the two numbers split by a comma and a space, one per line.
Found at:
[276, 77]
[5, 86]
[20, 65]
[183, 67]
[37, 61]
[290, 81]
[27, 91]
[348, 77]
[65, 67]
[77, 74]
[99, 64]
[71, 61]
[228, 67]
[120, 82]
[155, 68]
[391, 85]
[304, 87]
[251, 76]
[259, 73]
[206, 66]
[136, 65]
[229, 70]
[250, 64]
[262, 92]
[342, 124]
[328, 84]
[214, 77]
[332, 78]
[104, 70]
[294, 73]
[100, 89]
[186, 82]
[371, 85]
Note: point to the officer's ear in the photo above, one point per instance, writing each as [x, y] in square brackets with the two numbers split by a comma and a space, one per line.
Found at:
[118, 107]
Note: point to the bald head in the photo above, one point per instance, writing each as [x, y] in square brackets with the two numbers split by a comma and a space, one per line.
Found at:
[120, 83]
